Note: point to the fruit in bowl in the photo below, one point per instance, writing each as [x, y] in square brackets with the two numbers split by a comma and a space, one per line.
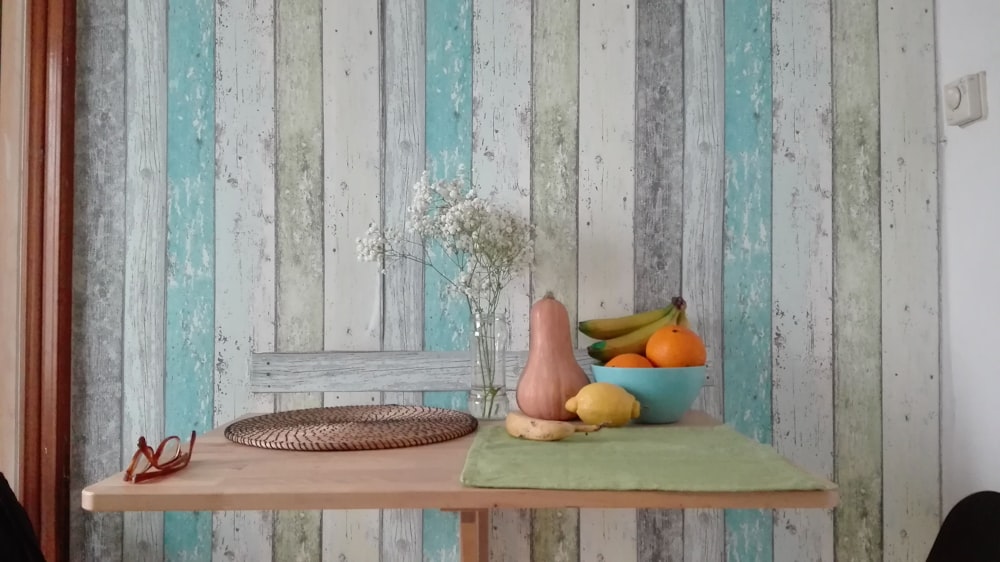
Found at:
[675, 347]
[660, 361]
[629, 360]
[664, 394]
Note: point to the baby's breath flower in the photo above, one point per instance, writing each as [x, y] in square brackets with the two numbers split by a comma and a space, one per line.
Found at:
[487, 243]
[491, 244]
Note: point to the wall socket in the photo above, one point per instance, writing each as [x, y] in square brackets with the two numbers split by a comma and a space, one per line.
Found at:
[965, 100]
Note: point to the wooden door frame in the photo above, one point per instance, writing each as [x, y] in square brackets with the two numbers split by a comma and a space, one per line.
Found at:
[44, 272]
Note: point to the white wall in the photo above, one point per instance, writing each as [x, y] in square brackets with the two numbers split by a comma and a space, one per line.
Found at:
[12, 189]
[970, 253]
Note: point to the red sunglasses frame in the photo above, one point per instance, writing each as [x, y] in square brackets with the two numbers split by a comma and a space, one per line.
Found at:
[152, 457]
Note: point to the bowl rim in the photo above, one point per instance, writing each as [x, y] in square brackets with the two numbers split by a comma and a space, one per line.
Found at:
[641, 369]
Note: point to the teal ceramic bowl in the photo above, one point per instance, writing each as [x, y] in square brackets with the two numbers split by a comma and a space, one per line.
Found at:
[663, 394]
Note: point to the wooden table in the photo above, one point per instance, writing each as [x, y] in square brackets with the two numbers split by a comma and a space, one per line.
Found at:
[225, 476]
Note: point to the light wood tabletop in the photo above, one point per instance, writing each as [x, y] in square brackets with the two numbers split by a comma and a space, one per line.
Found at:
[225, 476]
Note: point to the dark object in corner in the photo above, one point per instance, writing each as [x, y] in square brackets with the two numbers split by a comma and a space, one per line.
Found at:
[971, 531]
[17, 539]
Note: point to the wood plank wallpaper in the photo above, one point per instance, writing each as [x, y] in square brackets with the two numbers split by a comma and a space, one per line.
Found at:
[773, 161]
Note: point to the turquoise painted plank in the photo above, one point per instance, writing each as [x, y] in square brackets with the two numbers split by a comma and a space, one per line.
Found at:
[448, 142]
[747, 252]
[190, 303]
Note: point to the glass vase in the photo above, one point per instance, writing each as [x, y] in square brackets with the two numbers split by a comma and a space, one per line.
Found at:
[488, 366]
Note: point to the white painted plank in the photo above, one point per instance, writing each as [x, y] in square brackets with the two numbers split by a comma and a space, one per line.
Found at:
[402, 529]
[910, 307]
[352, 200]
[704, 173]
[245, 238]
[704, 529]
[501, 171]
[802, 263]
[402, 318]
[351, 534]
[143, 331]
[607, 178]
[352, 194]
[704, 208]
[397, 371]
[501, 128]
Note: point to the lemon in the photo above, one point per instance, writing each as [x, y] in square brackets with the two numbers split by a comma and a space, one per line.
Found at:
[603, 403]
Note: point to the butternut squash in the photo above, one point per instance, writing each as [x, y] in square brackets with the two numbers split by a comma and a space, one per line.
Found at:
[551, 375]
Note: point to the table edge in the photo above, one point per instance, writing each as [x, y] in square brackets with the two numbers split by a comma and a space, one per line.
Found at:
[472, 498]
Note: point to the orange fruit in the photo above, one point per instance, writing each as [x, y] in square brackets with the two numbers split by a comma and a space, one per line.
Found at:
[628, 360]
[675, 346]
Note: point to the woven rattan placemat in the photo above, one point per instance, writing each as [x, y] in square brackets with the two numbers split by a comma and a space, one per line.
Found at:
[351, 428]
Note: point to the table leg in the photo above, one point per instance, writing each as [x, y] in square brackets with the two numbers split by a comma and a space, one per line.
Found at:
[474, 535]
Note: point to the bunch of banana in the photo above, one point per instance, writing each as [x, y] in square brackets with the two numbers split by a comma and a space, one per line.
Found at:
[525, 427]
[629, 334]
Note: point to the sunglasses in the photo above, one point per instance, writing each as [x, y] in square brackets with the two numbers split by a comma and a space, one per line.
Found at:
[148, 463]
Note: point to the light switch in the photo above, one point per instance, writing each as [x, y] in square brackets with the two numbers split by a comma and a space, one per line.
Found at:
[965, 99]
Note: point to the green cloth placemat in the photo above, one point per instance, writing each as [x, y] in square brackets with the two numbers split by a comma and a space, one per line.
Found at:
[665, 458]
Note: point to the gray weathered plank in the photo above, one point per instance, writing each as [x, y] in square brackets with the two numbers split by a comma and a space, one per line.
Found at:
[554, 174]
[387, 371]
[98, 273]
[704, 217]
[659, 151]
[910, 308]
[245, 198]
[403, 156]
[857, 304]
[98, 14]
[659, 198]
[299, 227]
[403, 293]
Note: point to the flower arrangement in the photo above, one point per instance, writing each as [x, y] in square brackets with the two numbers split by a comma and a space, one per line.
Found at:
[487, 244]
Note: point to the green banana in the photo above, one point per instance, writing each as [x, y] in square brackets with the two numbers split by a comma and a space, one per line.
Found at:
[635, 341]
[607, 328]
